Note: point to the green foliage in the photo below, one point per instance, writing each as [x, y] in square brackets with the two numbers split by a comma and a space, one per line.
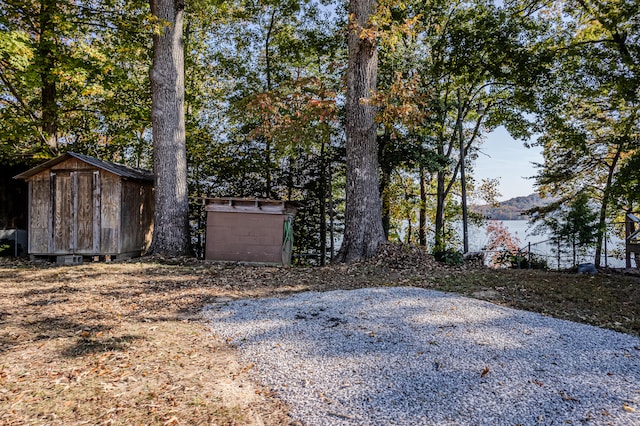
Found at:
[264, 121]
[74, 77]
[461, 71]
[572, 224]
[449, 257]
[15, 49]
[626, 189]
[588, 108]
[264, 102]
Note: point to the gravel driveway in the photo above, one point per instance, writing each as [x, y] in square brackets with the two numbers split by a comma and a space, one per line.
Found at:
[408, 356]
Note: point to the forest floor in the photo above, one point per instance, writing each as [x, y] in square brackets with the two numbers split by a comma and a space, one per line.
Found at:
[124, 343]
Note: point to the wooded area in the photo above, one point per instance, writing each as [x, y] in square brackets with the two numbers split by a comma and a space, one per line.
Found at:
[272, 107]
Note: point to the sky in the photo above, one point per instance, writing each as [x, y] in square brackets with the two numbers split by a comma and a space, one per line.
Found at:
[503, 157]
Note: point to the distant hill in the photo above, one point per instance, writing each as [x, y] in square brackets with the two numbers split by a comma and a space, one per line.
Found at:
[511, 209]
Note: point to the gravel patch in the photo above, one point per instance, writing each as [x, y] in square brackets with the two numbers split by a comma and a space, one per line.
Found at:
[407, 356]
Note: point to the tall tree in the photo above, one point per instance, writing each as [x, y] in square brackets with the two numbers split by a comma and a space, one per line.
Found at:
[73, 76]
[171, 226]
[589, 109]
[363, 231]
[463, 70]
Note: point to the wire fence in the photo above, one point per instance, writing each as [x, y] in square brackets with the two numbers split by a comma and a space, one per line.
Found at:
[547, 254]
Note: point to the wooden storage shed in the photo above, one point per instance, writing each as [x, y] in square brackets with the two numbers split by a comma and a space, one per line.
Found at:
[82, 206]
[249, 230]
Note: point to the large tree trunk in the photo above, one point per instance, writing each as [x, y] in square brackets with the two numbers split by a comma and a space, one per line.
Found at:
[48, 92]
[171, 227]
[363, 216]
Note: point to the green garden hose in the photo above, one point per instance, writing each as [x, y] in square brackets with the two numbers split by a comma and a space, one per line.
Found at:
[287, 241]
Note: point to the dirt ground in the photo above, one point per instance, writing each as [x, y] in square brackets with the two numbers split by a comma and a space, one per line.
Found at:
[124, 343]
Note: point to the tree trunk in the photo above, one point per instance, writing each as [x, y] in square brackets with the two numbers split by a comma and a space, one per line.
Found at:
[602, 219]
[363, 213]
[268, 192]
[386, 202]
[48, 91]
[332, 246]
[422, 221]
[463, 179]
[322, 199]
[171, 227]
[440, 241]
[386, 168]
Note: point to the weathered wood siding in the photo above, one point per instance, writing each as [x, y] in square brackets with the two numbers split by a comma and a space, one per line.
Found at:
[137, 216]
[75, 207]
[63, 213]
[80, 208]
[87, 209]
[244, 237]
[40, 214]
[110, 213]
[72, 164]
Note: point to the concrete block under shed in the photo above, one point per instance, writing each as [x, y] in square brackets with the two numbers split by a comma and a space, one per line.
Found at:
[68, 260]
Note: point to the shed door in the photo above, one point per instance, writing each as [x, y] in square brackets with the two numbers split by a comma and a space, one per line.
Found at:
[75, 208]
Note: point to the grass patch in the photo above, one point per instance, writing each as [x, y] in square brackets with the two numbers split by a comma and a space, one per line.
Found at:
[123, 343]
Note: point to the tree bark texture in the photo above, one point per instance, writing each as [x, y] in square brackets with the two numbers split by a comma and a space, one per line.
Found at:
[363, 214]
[422, 221]
[48, 93]
[440, 240]
[171, 227]
[604, 206]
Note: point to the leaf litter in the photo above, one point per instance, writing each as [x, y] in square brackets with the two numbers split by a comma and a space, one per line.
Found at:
[124, 342]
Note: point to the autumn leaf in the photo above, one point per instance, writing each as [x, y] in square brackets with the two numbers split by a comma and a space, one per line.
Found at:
[172, 421]
[484, 372]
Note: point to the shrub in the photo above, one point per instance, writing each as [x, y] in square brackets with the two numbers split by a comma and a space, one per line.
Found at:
[449, 256]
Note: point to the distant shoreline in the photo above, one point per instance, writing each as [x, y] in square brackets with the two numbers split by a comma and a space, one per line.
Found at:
[511, 209]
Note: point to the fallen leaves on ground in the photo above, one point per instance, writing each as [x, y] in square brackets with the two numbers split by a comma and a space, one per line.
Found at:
[123, 343]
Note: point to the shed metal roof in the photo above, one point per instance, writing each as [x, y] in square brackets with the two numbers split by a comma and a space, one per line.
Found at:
[115, 168]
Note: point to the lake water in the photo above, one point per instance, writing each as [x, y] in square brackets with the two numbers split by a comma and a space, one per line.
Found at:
[540, 246]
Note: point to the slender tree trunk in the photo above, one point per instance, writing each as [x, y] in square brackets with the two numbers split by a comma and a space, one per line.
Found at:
[439, 220]
[602, 220]
[267, 60]
[463, 179]
[385, 181]
[48, 91]
[290, 179]
[408, 212]
[422, 220]
[363, 214]
[322, 199]
[386, 201]
[268, 188]
[171, 227]
[332, 244]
